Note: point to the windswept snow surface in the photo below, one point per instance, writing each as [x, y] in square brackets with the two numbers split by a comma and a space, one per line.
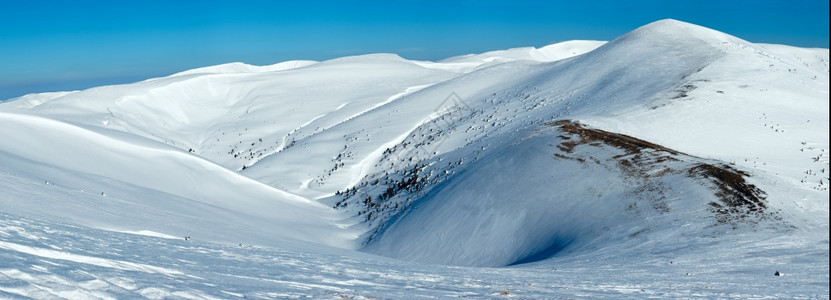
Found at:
[674, 161]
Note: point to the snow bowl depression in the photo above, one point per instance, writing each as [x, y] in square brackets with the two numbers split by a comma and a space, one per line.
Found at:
[581, 190]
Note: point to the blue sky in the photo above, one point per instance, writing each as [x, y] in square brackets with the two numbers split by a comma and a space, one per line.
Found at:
[65, 45]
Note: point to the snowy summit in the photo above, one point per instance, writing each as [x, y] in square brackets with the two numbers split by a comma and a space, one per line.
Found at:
[673, 161]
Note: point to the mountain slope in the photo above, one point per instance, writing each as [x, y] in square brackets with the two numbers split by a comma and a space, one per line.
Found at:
[563, 188]
[663, 79]
[188, 184]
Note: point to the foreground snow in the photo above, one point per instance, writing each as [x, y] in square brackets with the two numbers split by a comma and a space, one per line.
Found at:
[45, 259]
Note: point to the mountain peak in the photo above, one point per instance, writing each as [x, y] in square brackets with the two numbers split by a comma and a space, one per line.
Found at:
[671, 24]
[674, 31]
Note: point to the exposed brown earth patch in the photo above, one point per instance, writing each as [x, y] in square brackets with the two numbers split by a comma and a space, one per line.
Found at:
[642, 162]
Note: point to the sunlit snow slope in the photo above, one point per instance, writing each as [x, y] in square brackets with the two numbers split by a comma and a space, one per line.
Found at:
[498, 178]
[671, 142]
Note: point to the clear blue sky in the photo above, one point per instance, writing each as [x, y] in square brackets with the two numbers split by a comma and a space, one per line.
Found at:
[62, 45]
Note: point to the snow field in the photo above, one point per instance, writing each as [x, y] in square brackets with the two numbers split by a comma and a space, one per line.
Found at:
[277, 174]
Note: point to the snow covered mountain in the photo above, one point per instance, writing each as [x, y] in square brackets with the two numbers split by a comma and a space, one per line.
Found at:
[691, 159]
